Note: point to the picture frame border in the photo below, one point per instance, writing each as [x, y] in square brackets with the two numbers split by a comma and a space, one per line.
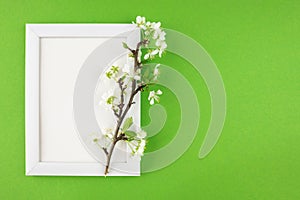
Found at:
[34, 33]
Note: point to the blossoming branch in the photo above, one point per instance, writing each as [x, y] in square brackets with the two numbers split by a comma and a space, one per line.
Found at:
[128, 82]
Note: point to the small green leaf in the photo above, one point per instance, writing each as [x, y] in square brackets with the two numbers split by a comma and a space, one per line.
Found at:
[130, 134]
[109, 74]
[114, 69]
[130, 55]
[128, 122]
[110, 99]
[125, 45]
[124, 77]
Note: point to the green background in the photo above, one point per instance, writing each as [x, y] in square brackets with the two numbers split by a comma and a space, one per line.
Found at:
[255, 45]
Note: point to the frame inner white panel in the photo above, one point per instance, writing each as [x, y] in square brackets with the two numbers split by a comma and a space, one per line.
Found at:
[61, 60]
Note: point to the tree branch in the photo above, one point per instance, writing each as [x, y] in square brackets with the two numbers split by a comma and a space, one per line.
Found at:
[121, 115]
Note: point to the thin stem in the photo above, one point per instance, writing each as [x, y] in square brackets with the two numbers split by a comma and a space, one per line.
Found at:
[105, 150]
[109, 156]
[121, 105]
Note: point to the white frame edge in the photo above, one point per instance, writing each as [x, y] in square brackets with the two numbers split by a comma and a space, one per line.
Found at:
[34, 167]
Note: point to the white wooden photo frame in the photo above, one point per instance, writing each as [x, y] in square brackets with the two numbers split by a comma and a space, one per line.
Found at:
[55, 55]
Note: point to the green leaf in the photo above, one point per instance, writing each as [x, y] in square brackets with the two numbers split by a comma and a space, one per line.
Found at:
[131, 55]
[114, 69]
[128, 122]
[109, 74]
[125, 45]
[130, 134]
[110, 99]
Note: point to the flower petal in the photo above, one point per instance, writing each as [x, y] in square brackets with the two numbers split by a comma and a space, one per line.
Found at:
[152, 101]
[153, 53]
[147, 56]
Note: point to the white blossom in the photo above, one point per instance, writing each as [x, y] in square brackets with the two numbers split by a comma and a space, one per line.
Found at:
[162, 45]
[140, 21]
[156, 25]
[153, 96]
[141, 148]
[102, 141]
[108, 132]
[110, 98]
[129, 70]
[159, 34]
[137, 147]
[151, 54]
[141, 134]
[108, 94]
[139, 55]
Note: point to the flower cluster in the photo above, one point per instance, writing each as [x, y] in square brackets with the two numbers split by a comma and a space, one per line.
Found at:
[119, 74]
[152, 31]
[102, 140]
[136, 141]
[135, 138]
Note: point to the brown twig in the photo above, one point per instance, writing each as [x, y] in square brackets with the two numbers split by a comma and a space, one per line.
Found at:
[105, 150]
